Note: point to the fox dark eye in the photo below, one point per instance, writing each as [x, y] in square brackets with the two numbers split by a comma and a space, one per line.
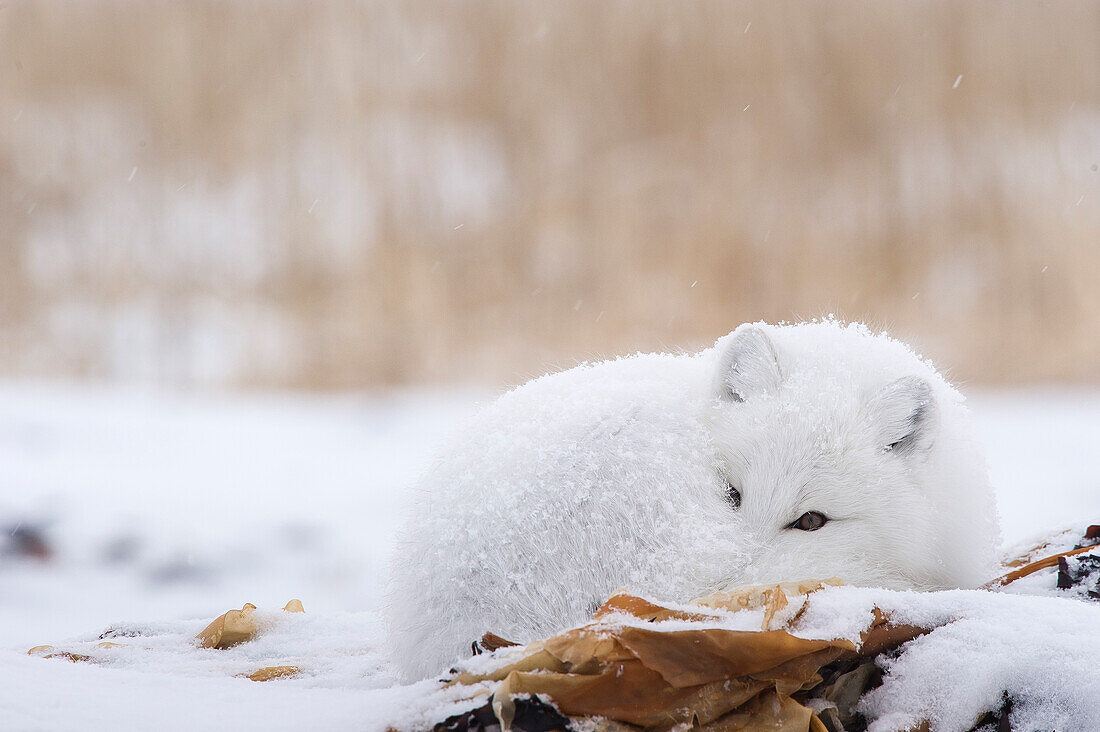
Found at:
[809, 521]
[733, 496]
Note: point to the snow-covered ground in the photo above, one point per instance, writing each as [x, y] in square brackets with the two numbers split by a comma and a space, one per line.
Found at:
[163, 511]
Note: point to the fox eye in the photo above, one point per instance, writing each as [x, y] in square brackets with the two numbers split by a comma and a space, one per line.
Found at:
[809, 521]
[733, 496]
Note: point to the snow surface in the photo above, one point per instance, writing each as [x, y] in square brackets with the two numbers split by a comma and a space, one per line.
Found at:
[164, 511]
[1040, 650]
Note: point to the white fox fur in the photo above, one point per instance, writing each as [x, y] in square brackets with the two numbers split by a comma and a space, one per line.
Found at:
[619, 474]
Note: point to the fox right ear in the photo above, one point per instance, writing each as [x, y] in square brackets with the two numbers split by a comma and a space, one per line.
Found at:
[904, 415]
[748, 366]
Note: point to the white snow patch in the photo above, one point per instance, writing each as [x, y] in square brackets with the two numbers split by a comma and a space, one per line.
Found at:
[166, 510]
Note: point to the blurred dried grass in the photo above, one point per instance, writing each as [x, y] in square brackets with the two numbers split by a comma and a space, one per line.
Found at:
[336, 194]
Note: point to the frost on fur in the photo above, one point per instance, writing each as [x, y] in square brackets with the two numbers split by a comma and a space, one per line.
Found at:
[847, 454]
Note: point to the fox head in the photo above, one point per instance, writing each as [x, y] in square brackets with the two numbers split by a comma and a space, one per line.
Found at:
[840, 453]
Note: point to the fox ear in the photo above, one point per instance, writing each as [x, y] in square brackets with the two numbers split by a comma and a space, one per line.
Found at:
[748, 366]
[904, 416]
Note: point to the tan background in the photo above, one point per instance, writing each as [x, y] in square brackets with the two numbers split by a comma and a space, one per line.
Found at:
[334, 195]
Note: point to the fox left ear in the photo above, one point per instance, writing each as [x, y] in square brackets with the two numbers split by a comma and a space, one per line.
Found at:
[904, 416]
[748, 366]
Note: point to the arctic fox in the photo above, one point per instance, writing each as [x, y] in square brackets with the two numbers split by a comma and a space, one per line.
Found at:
[781, 453]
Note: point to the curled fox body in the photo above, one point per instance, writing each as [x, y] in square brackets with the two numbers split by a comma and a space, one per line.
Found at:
[781, 453]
